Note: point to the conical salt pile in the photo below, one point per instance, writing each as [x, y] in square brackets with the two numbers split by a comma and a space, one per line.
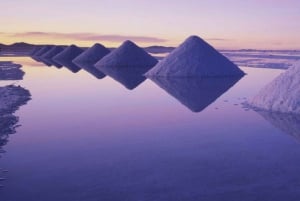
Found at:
[89, 57]
[67, 55]
[128, 55]
[52, 53]
[43, 50]
[195, 58]
[282, 94]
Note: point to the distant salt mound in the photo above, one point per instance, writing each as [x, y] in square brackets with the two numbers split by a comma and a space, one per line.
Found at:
[282, 94]
[35, 50]
[195, 58]
[67, 55]
[89, 57]
[127, 56]
[48, 56]
[43, 50]
[194, 92]
[39, 52]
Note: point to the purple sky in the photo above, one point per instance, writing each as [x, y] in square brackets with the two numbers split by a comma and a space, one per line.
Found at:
[264, 24]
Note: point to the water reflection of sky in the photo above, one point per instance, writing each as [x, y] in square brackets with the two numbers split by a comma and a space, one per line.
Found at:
[88, 139]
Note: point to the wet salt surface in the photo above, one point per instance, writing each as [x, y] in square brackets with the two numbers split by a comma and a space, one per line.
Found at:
[87, 139]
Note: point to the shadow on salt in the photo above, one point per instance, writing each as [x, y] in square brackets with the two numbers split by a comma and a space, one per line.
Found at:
[194, 92]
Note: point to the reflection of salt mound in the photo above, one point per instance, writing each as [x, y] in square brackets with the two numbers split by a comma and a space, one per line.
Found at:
[89, 57]
[196, 93]
[127, 56]
[67, 55]
[52, 53]
[282, 94]
[10, 71]
[287, 123]
[129, 78]
[195, 58]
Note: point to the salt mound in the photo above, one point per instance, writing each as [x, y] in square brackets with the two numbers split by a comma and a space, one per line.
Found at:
[195, 58]
[35, 50]
[52, 53]
[10, 71]
[12, 97]
[194, 92]
[89, 57]
[282, 94]
[128, 55]
[67, 55]
[42, 50]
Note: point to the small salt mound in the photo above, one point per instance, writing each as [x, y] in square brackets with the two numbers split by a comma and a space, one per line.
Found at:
[195, 58]
[194, 92]
[10, 71]
[282, 94]
[89, 57]
[128, 55]
[12, 97]
[35, 50]
[67, 55]
[52, 53]
[41, 51]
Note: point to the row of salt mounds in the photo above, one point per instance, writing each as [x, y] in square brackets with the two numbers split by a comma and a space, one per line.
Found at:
[67, 55]
[89, 57]
[195, 58]
[41, 51]
[129, 60]
[282, 94]
[48, 56]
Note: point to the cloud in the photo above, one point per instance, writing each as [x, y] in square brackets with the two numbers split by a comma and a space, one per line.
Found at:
[88, 37]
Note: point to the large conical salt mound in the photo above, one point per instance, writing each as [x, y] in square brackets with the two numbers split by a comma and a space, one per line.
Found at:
[282, 94]
[67, 55]
[195, 58]
[52, 53]
[128, 55]
[89, 57]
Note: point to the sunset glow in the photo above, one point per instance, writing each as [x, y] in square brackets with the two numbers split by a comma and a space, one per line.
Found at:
[226, 24]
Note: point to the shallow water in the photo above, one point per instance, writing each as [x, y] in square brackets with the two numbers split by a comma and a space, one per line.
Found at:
[85, 139]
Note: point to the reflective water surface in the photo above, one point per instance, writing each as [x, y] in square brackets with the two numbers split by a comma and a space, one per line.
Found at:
[85, 139]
